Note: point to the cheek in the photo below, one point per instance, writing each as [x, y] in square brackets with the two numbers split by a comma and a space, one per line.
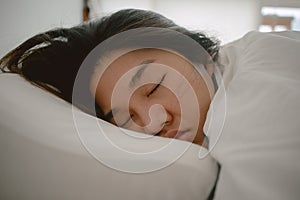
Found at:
[167, 99]
[204, 97]
[201, 90]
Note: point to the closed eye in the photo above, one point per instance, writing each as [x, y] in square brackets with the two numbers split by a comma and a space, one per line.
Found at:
[157, 86]
[148, 95]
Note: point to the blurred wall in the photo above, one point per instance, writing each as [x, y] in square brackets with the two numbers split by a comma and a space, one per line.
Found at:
[280, 3]
[21, 19]
[225, 19]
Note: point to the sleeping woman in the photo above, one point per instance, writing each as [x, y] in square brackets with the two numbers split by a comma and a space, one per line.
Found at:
[52, 61]
[140, 71]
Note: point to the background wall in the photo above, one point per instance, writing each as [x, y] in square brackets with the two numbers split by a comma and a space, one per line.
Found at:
[21, 19]
[226, 19]
[281, 3]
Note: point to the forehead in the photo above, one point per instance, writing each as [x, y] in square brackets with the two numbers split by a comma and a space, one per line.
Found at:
[126, 62]
[121, 65]
[104, 79]
[109, 72]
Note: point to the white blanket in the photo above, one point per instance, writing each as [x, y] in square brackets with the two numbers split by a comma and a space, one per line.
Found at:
[259, 142]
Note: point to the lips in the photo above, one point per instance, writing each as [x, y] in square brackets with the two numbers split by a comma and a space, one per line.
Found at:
[180, 135]
[174, 134]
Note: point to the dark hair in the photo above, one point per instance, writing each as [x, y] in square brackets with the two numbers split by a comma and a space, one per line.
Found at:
[52, 59]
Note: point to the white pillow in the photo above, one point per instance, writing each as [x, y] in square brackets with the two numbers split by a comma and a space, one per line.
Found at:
[259, 145]
[45, 155]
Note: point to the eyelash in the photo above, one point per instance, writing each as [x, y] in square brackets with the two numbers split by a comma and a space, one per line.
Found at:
[157, 86]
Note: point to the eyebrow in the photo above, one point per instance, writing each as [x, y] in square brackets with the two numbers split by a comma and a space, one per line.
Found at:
[135, 78]
[138, 75]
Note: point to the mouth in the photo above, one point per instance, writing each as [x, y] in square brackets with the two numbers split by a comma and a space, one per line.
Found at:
[181, 135]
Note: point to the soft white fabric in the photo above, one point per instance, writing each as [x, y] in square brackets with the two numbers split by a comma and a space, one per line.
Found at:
[259, 145]
[42, 156]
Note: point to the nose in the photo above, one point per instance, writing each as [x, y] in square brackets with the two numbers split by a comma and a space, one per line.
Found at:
[150, 117]
[158, 118]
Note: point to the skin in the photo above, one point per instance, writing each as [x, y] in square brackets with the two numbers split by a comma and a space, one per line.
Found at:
[167, 96]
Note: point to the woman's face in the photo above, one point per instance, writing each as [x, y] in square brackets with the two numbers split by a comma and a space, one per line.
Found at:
[156, 92]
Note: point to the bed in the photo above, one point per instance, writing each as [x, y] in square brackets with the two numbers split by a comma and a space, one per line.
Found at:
[50, 150]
